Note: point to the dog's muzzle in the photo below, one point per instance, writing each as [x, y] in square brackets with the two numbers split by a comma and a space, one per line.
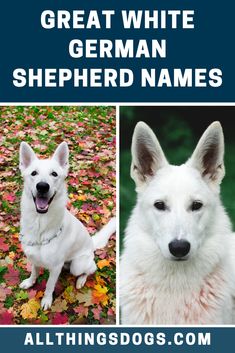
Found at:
[42, 200]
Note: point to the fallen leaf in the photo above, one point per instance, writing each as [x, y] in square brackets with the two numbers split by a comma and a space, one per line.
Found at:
[81, 310]
[85, 298]
[59, 305]
[39, 294]
[30, 309]
[22, 295]
[6, 318]
[9, 197]
[59, 319]
[96, 312]
[3, 245]
[4, 292]
[70, 294]
[32, 293]
[99, 295]
[103, 263]
[12, 276]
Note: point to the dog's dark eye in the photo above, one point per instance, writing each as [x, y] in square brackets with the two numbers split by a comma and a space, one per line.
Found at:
[160, 205]
[196, 205]
[34, 173]
[54, 174]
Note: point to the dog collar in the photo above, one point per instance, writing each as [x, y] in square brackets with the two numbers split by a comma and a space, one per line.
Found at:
[40, 243]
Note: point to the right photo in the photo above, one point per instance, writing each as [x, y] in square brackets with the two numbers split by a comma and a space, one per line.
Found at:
[177, 215]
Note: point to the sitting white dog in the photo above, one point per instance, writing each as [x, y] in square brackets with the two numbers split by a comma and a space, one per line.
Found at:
[50, 235]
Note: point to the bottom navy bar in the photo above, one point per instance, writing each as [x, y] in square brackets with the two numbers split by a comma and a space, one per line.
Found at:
[112, 339]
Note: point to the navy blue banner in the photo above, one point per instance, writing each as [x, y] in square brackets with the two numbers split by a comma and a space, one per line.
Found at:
[73, 339]
[109, 51]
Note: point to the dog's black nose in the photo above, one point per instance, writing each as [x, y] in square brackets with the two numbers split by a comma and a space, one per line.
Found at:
[42, 187]
[179, 248]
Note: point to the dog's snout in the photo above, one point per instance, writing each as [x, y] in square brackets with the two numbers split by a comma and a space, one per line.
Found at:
[179, 248]
[42, 187]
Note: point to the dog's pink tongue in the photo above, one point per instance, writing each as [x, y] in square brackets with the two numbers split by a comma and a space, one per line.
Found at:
[42, 203]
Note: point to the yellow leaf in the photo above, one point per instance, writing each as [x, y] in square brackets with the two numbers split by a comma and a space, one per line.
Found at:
[81, 198]
[11, 255]
[100, 280]
[99, 295]
[96, 217]
[16, 235]
[103, 263]
[70, 294]
[30, 309]
[101, 289]
[84, 217]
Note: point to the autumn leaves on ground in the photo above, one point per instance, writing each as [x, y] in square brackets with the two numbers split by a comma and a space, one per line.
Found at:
[90, 133]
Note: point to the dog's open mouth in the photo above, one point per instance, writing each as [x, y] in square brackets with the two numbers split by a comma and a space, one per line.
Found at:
[42, 203]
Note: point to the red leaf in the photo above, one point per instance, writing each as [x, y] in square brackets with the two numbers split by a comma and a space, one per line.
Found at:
[32, 293]
[12, 276]
[90, 283]
[82, 310]
[96, 312]
[110, 312]
[6, 318]
[9, 197]
[4, 292]
[96, 158]
[58, 288]
[86, 182]
[59, 319]
[3, 246]
[40, 286]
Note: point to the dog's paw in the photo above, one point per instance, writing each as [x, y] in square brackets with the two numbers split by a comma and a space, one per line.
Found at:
[46, 303]
[27, 283]
[81, 281]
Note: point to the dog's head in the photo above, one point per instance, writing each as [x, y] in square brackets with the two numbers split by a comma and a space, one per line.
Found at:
[43, 178]
[177, 204]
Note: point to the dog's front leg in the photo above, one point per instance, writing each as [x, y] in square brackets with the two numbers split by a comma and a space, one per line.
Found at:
[47, 298]
[29, 282]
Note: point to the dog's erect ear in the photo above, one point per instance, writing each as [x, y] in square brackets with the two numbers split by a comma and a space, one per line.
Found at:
[27, 155]
[61, 155]
[147, 154]
[208, 157]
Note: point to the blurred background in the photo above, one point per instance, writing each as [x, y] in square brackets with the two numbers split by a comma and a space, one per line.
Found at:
[178, 129]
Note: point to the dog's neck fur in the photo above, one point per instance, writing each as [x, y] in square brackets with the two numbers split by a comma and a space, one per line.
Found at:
[38, 226]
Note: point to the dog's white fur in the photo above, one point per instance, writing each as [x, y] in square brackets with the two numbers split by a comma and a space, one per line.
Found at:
[154, 287]
[74, 244]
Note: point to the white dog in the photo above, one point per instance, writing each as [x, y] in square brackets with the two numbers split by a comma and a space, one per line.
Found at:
[50, 235]
[178, 263]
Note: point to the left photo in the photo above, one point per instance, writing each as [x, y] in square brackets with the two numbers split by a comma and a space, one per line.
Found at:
[57, 215]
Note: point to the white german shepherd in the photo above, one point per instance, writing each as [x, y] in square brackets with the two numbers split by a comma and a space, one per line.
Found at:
[50, 235]
[178, 263]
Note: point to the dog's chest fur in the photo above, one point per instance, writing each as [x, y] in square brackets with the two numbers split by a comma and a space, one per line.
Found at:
[143, 303]
[42, 256]
[34, 229]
